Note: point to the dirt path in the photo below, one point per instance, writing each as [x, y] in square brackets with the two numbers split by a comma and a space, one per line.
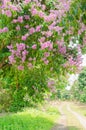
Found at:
[62, 123]
[69, 120]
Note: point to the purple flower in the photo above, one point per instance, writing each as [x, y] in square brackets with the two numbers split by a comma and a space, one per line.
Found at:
[27, 1]
[27, 17]
[10, 47]
[38, 28]
[26, 26]
[34, 11]
[8, 13]
[18, 54]
[24, 38]
[20, 19]
[11, 59]
[14, 21]
[62, 49]
[46, 54]
[47, 44]
[42, 39]
[34, 46]
[1, 30]
[30, 65]
[31, 30]
[24, 53]
[46, 62]
[20, 46]
[5, 29]
[23, 59]
[30, 59]
[20, 67]
[18, 28]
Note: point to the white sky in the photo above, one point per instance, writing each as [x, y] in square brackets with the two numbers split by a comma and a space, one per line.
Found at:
[84, 60]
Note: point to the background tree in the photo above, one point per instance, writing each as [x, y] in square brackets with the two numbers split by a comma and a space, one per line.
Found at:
[79, 87]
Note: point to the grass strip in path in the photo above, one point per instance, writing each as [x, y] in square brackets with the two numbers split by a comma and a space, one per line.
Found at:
[72, 121]
[80, 108]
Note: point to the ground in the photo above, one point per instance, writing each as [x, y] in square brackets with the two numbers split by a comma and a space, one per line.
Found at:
[52, 116]
[70, 119]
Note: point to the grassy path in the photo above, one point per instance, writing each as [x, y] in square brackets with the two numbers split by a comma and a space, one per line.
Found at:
[80, 108]
[81, 119]
[68, 120]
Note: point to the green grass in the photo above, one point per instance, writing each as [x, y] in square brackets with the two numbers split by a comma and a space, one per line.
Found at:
[31, 119]
[72, 122]
[80, 108]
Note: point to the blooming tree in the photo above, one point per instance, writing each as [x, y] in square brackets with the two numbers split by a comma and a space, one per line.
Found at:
[39, 37]
[36, 36]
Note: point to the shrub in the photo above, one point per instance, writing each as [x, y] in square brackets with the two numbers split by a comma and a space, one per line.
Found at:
[5, 99]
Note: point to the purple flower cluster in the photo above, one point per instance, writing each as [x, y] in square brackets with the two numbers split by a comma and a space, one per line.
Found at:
[5, 29]
[42, 32]
[20, 53]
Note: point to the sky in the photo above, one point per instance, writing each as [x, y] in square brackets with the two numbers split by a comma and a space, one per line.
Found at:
[74, 77]
[84, 60]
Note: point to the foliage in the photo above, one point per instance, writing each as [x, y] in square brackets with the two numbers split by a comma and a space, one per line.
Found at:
[5, 99]
[40, 41]
[79, 87]
[25, 92]
[60, 89]
[43, 43]
[63, 94]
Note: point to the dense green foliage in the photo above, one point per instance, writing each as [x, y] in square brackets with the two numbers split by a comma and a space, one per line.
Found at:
[79, 88]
